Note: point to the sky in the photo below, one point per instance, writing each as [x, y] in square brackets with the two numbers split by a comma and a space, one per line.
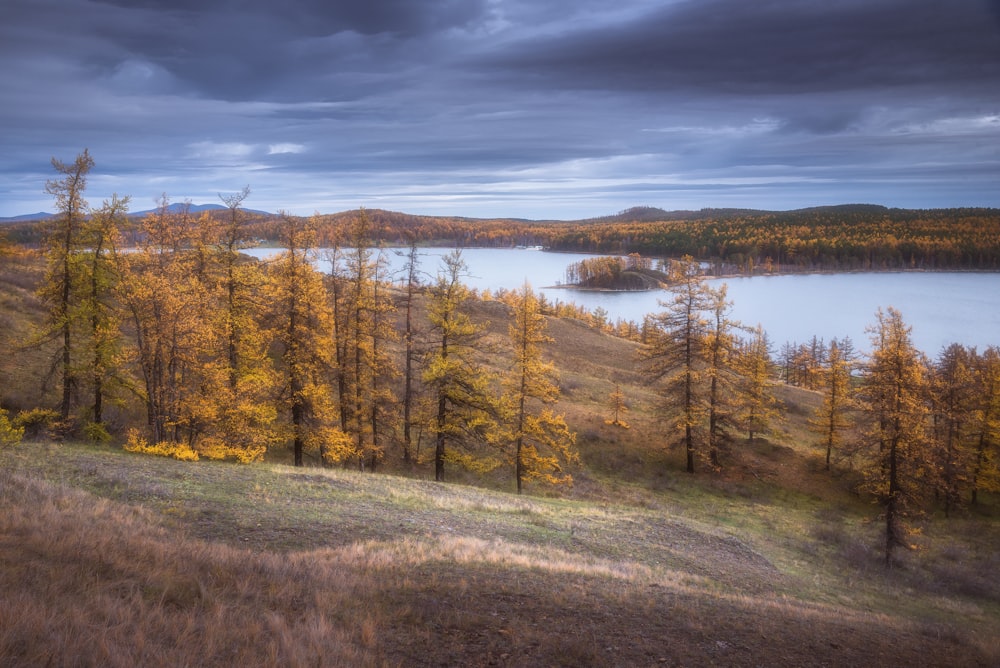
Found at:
[561, 109]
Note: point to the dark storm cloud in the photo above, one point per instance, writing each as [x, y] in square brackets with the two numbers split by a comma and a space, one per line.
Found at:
[507, 107]
[298, 49]
[774, 47]
[320, 17]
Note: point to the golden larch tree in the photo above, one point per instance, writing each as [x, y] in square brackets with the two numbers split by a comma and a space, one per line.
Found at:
[833, 418]
[164, 300]
[541, 444]
[465, 410]
[721, 369]
[758, 407]
[362, 320]
[985, 473]
[61, 285]
[411, 282]
[900, 470]
[674, 355]
[236, 409]
[301, 321]
[953, 388]
[101, 234]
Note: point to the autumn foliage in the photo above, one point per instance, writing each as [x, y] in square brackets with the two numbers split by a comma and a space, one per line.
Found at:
[164, 335]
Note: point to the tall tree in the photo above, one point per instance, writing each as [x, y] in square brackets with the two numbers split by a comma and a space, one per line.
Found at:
[986, 424]
[674, 353]
[895, 395]
[164, 298]
[833, 417]
[460, 384]
[720, 367]
[953, 385]
[384, 372]
[542, 442]
[233, 238]
[235, 411]
[301, 319]
[411, 280]
[62, 247]
[758, 406]
[338, 284]
[359, 310]
[363, 307]
[101, 236]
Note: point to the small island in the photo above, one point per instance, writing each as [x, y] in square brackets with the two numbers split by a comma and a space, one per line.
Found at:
[632, 273]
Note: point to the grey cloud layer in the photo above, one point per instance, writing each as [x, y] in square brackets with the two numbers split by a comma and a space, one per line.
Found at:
[545, 108]
[777, 47]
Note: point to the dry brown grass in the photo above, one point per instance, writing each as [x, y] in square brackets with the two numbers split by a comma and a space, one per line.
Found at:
[388, 571]
[90, 582]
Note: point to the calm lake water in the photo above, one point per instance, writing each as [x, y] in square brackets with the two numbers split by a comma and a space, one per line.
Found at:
[941, 307]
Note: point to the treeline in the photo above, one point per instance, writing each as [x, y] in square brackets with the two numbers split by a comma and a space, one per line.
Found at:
[844, 238]
[838, 238]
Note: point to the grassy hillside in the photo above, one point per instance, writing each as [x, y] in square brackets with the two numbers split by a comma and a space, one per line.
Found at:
[117, 559]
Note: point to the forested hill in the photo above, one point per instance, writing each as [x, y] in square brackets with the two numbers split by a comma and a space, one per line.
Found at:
[652, 214]
[841, 238]
[837, 238]
[850, 237]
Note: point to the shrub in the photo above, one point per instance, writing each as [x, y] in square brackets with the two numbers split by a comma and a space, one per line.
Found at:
[95, 432]
[38, 422]
[217, 449]
[9, 433]
[136, 443]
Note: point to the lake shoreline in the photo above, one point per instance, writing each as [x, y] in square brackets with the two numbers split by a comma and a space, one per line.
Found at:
[580, 288]
[942, 306]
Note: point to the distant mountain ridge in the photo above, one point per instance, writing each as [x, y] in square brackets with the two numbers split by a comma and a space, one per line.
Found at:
[176, 207]
[638, 214]
[27, 217]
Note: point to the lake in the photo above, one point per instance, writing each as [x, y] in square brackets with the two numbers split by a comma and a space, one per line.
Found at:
[941, 307]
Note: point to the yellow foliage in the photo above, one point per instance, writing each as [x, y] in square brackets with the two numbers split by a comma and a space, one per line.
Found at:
[475, 463]
[9, 434]
[36, 422]
[179, 451]
[216, 448]
[335, 445]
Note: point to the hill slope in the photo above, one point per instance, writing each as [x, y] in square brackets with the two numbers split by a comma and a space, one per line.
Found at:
[114, 559]
[131, 560]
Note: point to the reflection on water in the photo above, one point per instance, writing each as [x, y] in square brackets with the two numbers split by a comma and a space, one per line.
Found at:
[941, 308]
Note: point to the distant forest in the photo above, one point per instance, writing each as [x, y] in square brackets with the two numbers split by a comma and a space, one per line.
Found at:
[835, 238]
